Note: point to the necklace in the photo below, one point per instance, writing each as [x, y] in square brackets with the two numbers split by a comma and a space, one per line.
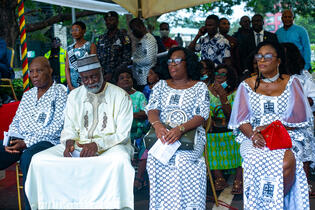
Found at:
[272, 79]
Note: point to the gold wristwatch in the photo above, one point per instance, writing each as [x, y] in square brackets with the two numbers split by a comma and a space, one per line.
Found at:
[181, 128]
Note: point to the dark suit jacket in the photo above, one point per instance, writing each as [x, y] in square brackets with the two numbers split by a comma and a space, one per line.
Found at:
[248, 45]
[268, 36]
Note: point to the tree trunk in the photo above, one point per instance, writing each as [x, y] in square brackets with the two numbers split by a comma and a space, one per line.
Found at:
[56, 19]
[8, 21]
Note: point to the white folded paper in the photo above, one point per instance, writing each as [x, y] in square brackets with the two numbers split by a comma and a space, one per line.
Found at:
[7, 135]
[164, 152]
[75, 153]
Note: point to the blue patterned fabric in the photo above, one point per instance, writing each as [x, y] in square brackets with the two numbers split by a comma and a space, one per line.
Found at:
[181, 184]
[73, 55]
[215, 49]
[41, 119]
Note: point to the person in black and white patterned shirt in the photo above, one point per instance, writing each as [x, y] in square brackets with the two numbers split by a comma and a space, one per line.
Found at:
[39, 119]
[145, 54]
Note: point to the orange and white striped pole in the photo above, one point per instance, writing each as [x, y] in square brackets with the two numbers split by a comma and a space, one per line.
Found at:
[24, 45]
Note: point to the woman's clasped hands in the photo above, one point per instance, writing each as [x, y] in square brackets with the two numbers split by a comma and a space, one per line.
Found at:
[167, 136]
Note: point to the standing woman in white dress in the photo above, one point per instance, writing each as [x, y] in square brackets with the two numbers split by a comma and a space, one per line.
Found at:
[273, 179]
[181, 183]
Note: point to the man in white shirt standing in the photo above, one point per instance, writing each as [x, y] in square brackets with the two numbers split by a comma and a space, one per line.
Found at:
[145, 54]
[98, 118]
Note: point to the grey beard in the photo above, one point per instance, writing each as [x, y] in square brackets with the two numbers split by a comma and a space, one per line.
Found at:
[98, 86]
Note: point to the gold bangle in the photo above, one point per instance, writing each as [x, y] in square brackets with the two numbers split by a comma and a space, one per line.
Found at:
[181, 128]
[155, 122]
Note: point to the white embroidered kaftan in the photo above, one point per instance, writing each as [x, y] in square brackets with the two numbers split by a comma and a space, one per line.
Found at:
[100, 182]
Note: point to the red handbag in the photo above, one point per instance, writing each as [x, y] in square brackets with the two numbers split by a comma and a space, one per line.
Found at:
[276, 136]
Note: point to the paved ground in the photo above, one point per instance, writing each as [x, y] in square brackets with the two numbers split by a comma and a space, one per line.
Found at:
[8, 195]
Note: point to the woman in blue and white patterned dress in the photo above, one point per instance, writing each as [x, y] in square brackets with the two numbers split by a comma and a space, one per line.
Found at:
[273, 179]
[180, 184]
[77, 50]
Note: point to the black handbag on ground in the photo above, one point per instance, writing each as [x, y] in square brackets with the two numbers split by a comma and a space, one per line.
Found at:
[187, 140]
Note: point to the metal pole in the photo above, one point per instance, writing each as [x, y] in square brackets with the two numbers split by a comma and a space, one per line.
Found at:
[73, 15]
[23, 45]
[139, 9]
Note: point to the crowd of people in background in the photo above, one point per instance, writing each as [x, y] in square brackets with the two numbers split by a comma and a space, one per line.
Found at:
[241, 82]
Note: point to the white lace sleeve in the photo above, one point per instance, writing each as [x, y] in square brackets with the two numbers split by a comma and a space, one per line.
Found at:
[298, 113]
[241, 110]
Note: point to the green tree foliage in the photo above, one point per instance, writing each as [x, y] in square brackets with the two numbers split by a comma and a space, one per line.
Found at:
[308, 24]
[301, 7]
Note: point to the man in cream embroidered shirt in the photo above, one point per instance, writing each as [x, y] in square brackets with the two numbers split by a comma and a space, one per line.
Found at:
[104, 118]
[95, 151]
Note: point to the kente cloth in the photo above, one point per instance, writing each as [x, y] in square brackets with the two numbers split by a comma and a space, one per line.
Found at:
[180, 184]
[144, 58]
[40, 119]
[263, 168]
[223, 150]
[100, 182]
[73, 55]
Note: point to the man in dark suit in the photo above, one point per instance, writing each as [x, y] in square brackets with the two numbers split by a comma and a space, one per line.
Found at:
[257, 35]
[242, 39]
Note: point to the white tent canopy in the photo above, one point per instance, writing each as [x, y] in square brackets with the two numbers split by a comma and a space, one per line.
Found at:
[149, 8]
[146, 8]
[92, 5]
